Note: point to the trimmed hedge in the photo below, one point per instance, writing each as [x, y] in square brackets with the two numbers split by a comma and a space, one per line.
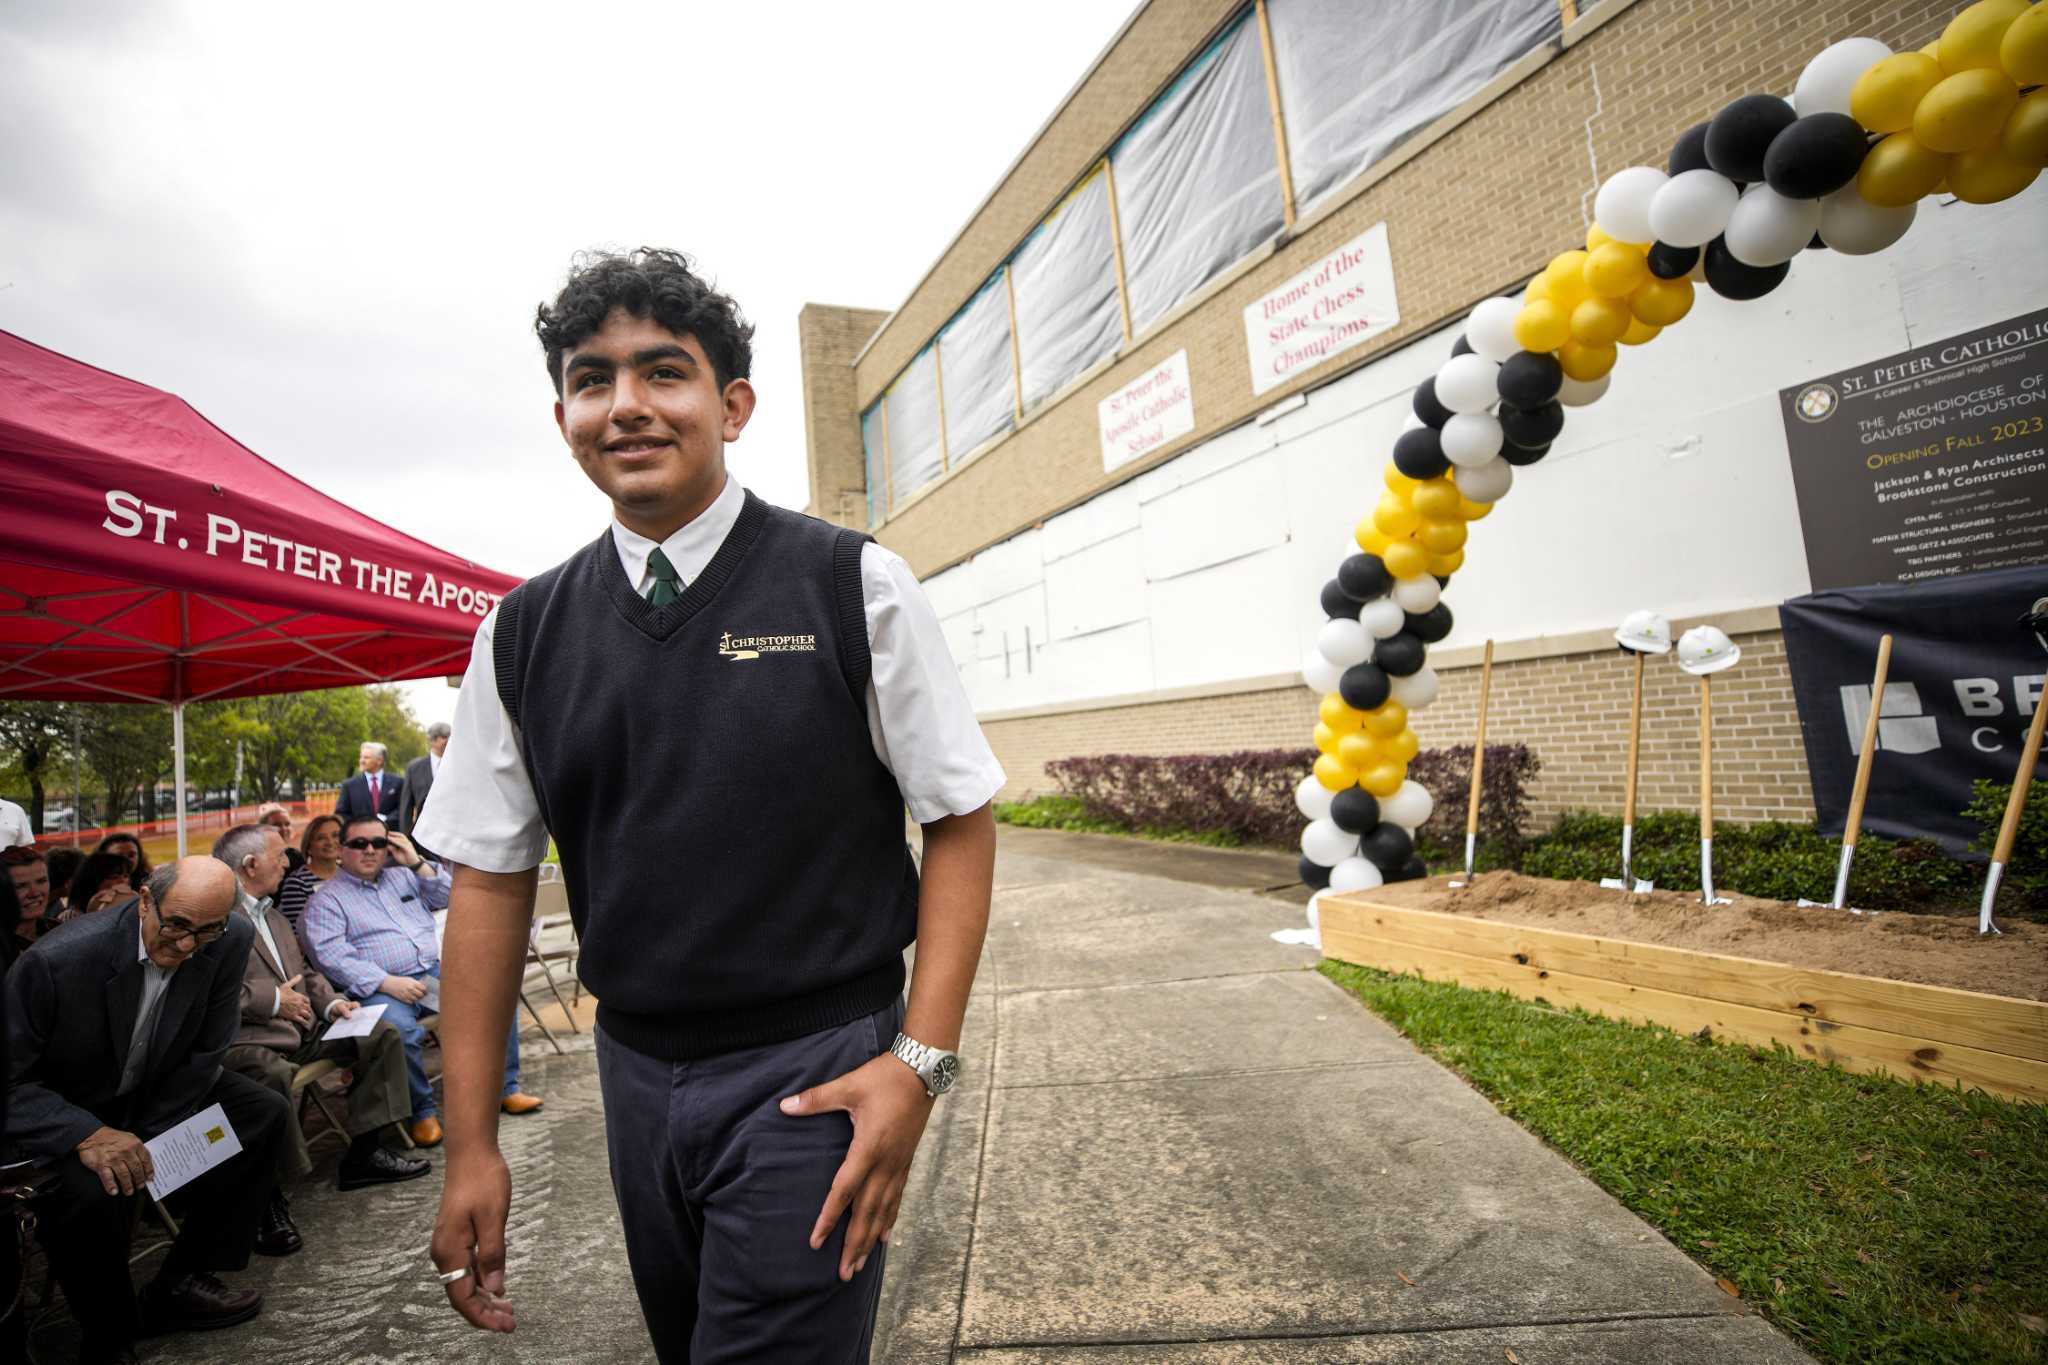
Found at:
[2025, 886]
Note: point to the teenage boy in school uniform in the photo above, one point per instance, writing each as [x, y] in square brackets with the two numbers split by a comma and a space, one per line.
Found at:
[719, 710]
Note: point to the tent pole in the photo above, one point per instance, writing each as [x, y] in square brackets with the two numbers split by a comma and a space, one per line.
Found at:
[178, 766]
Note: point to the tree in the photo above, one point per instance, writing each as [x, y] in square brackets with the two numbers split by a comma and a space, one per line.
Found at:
[127, 746]
[37, 735]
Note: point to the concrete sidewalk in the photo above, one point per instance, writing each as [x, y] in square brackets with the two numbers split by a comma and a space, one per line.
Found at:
[1176, 1142]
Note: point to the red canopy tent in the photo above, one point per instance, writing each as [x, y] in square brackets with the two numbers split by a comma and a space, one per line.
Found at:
[147, 556]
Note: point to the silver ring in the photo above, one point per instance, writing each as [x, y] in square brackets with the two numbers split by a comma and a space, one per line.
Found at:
[451, 1276]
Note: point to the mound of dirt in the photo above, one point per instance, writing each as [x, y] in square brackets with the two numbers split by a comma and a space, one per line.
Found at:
[1936, 950]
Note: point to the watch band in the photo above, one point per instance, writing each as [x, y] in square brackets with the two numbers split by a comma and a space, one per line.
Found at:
[936, 1069]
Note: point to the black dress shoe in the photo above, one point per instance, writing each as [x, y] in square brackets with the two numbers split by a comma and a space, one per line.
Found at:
[196, 1302]
[382, 1167]
[276, 1234]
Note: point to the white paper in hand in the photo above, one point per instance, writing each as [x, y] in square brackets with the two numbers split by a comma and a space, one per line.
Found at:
[430, 1003]
[357, 1025]
[188, 1151]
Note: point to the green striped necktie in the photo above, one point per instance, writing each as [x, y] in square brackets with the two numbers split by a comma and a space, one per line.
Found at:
[667, 587]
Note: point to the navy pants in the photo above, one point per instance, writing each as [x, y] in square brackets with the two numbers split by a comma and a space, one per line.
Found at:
[719, 1189]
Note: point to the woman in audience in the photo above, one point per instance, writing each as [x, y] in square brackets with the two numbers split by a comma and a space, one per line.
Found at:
[129, 849]
[101, 880]
[321, 844]
[63, 862]
[28, 878]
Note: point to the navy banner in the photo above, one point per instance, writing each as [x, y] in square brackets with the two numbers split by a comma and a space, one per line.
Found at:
[1969, 655]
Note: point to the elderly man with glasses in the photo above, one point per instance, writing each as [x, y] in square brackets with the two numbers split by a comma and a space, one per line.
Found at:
[370, 931]
[117, 1025]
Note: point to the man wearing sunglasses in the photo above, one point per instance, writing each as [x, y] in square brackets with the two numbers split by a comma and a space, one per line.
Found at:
[370, 931]
[117, 1026]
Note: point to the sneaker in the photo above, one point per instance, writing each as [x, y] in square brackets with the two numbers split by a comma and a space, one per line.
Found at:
[382, 1167]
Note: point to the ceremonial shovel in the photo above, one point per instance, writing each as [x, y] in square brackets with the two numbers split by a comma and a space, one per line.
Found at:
[1478, 764]
[1864, 760]
[2009, 828]
[1628, 801]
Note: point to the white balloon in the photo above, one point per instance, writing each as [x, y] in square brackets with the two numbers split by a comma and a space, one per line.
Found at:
[1410, 807]
[1622, 208]
[1854, 226]
[1325, 844]
[1486, 483]
[1313, 799]
[1468, 383]
[1344, 642]
[1491, 329]
[1417, 594]
[1319, 673]
[1355, 874]
[1417, 690]
[1769, 229]
[1577, 393]
[1381, 617]
[1824, 86]
[1471, 438]
[1693, 207]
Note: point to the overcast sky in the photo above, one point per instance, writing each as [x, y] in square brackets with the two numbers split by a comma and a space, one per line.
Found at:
[328, 230]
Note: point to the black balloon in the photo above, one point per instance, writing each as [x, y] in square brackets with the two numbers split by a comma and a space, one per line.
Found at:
[1411, 871]
[1531, 428]
[1419, 451]
[1689, 153]
[1387, 847]
[1337, 602]
[1530, 377]
[1731, 279]
[1355, 810]
[1519, 457]
[1364, 687]
[1313, 874]
[1815, 156]
[1669, 262]
[1431, 626]
[1740, 136]
[1364, 577]
[1461, 346]
[1432, 413]
[1400, 654]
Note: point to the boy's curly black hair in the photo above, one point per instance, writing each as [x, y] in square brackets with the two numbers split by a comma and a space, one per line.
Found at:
[648, 283]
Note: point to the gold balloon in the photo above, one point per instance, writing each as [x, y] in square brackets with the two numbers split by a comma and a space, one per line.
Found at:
[1369, 538]
[1639, 332]
[1542, 326]
[1326, 739]
[1539, 288]
[1397, 482]
[1394, 517]
[1403, 746]
[1406, 559]
[1436, 499]
[1971, 39]
[1598, 321]
[1613, 270]
[2026, 133]
[1339, 714]
[1966, 112]
[1331, 772]
[1443, 566]
[1662, 302]
[1989, 176]
[1899, 170]
[1357, 750]
[1567, 276]
[1390, 719]
[1885, 96]
[1583, 362]
[1473, 511]
[1441, 537]
[1384, 778]
[2023, 52]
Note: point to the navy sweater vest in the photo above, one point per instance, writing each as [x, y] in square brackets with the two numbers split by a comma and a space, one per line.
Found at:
[732, 847]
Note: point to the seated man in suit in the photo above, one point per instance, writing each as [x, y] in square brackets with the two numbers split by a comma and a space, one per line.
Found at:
[286, 1007]
[117, 1024]
[373, 791]
[370, 930]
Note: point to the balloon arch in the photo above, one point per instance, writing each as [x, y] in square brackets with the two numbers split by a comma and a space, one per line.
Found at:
[1867, 134]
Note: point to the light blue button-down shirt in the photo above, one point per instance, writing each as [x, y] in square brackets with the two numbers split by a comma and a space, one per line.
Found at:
[360, 932]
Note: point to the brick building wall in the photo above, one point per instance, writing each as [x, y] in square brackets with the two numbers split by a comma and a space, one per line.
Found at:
[828, 339]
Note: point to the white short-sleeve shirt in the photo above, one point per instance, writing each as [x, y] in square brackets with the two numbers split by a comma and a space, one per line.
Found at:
[14, 828]
[482, 810]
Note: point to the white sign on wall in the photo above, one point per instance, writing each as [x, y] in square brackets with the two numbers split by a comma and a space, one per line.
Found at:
[1148, 412]
[1342, 300]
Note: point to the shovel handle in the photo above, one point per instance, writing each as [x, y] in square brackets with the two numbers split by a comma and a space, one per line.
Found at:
[1479, 744]
[1868, 756]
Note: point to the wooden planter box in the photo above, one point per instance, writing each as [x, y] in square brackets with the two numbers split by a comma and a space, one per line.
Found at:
[1866, 1023]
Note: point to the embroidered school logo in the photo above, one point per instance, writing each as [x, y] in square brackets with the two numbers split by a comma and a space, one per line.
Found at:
[1816, 402]
[754, 646]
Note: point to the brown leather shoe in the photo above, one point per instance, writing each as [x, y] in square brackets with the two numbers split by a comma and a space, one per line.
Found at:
[196, 1302]
[519, 1102]
[426, 1132]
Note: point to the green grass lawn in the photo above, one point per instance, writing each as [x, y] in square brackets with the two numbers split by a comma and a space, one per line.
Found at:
[1870, 1219]
[1065, 812]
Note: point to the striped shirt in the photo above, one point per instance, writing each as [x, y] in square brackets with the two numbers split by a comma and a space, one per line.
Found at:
[298, 888]
[359, 933]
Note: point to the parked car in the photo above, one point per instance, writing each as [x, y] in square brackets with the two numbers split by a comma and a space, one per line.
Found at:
[59, 819]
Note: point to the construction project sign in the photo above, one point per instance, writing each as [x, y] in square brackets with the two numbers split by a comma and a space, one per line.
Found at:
[1925, 464]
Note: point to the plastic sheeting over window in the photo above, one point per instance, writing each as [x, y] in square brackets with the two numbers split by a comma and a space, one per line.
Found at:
[915, 450]
[1198, 178]
[976, 372]
[1064, 277]
[1355, 83]
[874, 456]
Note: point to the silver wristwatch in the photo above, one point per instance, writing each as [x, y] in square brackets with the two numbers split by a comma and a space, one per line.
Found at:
[938, 1070]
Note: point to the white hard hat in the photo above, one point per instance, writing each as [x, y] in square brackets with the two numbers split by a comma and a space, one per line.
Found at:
[1706, 649]
[1645, 632]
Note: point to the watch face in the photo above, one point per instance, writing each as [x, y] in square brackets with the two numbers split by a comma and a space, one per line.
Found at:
[944, 1073]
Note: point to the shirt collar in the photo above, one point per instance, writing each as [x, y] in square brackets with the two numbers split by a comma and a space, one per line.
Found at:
[690, 548]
